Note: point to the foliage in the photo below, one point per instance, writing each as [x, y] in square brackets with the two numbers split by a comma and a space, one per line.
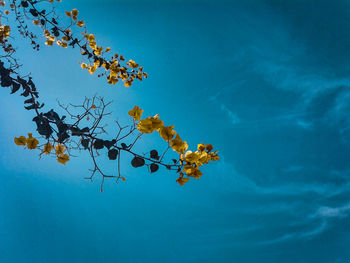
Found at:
[59, 137]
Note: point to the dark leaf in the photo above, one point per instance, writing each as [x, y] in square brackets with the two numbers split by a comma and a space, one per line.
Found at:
[62, 136]
[124, 146]
[112, 154]
[36, 94]
[109, 144]
[137, 162]
[154, 154]
[30, 107]
[43, 126]
[23, 82]
[98, 144]
[25, 93]
[33, 12]
[45, 129]
[31, 100]
[74, 42]
[75, 131]
[31, 84]
[62, 127]
[85, 143]
[24, 4]
[37, 119]
[6, 81]
[154, 167]
[52, 115]
[15, 87]
[86, 129]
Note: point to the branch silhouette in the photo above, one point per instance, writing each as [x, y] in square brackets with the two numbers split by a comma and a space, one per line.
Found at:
[82, 127]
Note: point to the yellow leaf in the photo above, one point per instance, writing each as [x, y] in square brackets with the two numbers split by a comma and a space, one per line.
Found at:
[182, 180]
[20, 140]
[49, 42]
[136, 113]
[112, 80]
[214, 157]
[209, 147]
[145, 126]
[203, 157]
[47, 33]
[63, 158]
[47, 148]
[80, 23]
[92, 69]
[178, 145]
[128, 83]
[91, 37]
[62, 44]
[201, 147]
[167, 133]
[75, 12]
[60, 149]
[191, 157]
[195, 172]
[150, 124]
[132, 64]
[32, 143]
[188, 168]
[156, 122]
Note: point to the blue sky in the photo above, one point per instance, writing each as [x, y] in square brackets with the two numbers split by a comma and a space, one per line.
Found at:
[266, 82]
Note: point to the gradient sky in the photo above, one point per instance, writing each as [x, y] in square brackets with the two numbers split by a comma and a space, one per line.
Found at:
[266, 82]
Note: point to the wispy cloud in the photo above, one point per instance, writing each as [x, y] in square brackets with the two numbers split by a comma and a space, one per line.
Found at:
[229, 179]
[333, 212]
[315, 230]
[233, 117]
[314, 225]
[311, 83]
[319, 97]
[306, 221]
[307, 125]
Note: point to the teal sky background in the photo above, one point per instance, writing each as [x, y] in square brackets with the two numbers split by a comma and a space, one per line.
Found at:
[266, 82]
